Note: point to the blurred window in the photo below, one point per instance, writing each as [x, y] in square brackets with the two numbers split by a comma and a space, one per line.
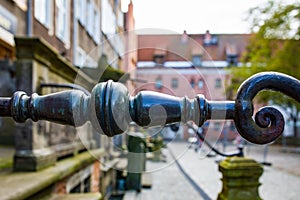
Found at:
[96, 25]
[218, 83]
[196, 60]
[62, 20]
[43, 12]
[158, 83]
[159, 59]
[81, 9]
[192, 82]
[174, 83]
[200, 84]
[217, 126]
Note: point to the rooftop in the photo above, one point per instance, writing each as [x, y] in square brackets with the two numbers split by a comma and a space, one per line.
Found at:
[182, 47]
[183, 64]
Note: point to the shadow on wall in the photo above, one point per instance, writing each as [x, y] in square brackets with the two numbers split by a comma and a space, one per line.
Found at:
[7, 88]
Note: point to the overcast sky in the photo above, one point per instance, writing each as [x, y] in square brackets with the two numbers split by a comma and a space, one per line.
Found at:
[194, 16]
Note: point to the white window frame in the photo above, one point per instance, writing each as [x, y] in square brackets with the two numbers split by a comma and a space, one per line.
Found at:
[77, 8]
[81, 11]
[90, 62]
[109, 21]
[21, 4]
[200, 84]
[63, 22]
[80, 57]
[120, 19]
[43, 12]
[96, 27]
[90, 17]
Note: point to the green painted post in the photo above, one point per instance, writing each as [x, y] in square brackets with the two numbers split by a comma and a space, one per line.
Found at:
[136, 161]
[240, 179]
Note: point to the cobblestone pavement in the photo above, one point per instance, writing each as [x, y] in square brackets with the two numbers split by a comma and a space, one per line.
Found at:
[279, 181]
[188, 174]
[287, 161]
[168, 183]
[203, 170]
[282, 179]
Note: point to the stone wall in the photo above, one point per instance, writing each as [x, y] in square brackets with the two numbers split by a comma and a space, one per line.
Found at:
[39, 144]
[7, 87]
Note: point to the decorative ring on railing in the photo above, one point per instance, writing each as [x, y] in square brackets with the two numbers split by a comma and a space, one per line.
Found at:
[111, 109]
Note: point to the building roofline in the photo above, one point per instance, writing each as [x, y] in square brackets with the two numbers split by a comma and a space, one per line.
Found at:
[195, 34]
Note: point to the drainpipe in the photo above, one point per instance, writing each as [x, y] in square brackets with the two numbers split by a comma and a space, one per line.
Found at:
[29, 18]
[75, 30]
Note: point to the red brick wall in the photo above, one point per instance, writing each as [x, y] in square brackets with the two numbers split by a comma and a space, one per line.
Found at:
[60, 187]
[184, 76]
[178, 51]
[42, 31]
[95, 177]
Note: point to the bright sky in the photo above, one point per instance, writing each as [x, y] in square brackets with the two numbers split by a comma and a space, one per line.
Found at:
[194, 16]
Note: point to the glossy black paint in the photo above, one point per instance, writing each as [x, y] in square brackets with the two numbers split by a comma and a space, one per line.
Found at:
[269, 122]
[110, 109]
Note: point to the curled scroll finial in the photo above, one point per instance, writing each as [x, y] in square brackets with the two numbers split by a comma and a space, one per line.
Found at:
[269, 122]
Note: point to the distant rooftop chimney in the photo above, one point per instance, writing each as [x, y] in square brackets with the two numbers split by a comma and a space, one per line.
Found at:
[231, 54]
[184, 37]
[210, 39]
[207, 37]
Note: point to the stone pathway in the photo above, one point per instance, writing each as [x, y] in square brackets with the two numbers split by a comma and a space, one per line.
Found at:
[167, 182]
[279, 181]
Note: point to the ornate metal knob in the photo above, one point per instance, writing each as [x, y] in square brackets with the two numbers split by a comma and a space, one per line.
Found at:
[111, 109]
[269, 122]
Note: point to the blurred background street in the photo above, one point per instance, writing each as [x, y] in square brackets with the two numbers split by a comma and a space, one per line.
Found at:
[194, 176]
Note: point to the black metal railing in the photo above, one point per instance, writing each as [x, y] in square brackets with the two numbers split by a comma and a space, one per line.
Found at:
[201, 137]
[111, 109]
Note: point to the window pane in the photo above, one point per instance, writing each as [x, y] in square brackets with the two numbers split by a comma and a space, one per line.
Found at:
[90, 17]
[197, 60]
[62, 24]
[158, 84]
[82, 9]
[174, 83]
[200, 84]
[192, 82]
[217, 126]
[218, 83]
[109, 21]
[42, 11]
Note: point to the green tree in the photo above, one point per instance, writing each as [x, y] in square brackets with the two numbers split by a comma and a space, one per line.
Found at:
[274, 46]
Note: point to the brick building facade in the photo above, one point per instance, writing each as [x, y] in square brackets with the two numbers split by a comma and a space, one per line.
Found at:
[48, 41]
[187, 65]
